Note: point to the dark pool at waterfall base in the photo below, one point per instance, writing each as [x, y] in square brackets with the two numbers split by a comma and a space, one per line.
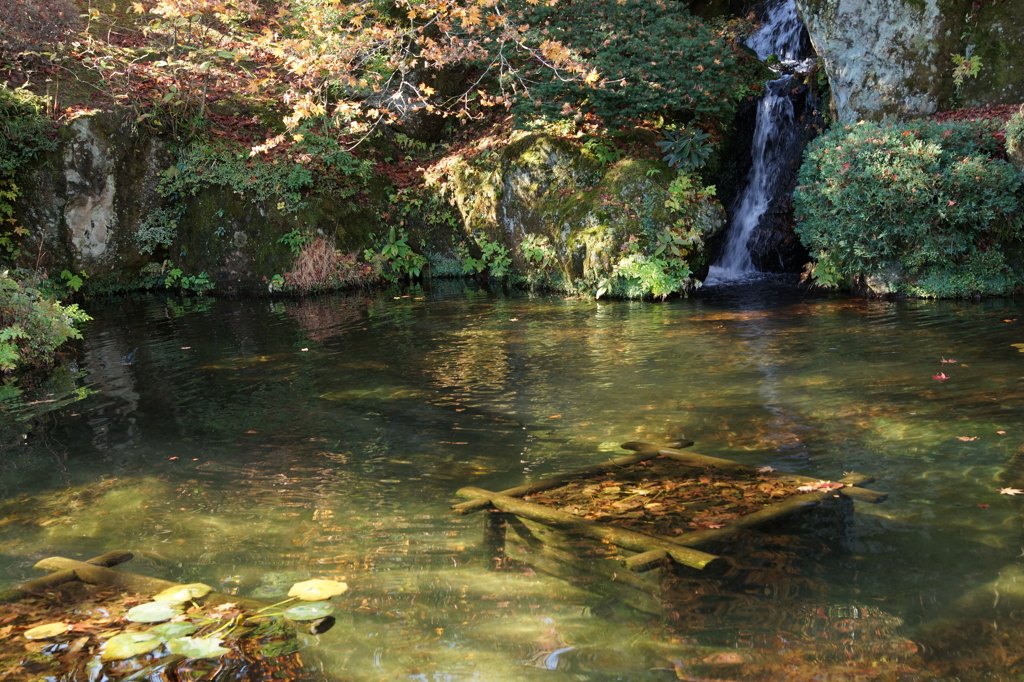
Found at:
[255, 443]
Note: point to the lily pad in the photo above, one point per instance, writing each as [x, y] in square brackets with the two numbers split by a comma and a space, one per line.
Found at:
[153, 612]
[317, 590]
[129, 644]
[47, 631]
[180, 595]
[198, 647]
[311, 611]
[173, 630]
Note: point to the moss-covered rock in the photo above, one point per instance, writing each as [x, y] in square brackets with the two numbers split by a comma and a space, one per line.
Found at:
[894, 58]
[591, 214]
[83, 202]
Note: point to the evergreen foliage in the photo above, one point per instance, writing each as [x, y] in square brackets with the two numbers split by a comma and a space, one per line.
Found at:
[927, 206]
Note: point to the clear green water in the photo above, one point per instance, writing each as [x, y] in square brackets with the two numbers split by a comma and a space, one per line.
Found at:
[255, 443]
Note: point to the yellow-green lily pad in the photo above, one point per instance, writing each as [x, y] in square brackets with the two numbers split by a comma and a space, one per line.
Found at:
[197, 647]
[309, 611]
[180, 595]
[153, 612]
[128, 644]
[47, 631]
[169, 631]
[317, 590]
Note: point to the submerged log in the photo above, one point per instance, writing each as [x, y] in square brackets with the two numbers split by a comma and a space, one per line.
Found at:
[561, 479]
[133, 582]
[621, 537]
[61, 576]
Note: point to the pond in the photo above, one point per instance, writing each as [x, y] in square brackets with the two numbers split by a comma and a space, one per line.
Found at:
[250, 444]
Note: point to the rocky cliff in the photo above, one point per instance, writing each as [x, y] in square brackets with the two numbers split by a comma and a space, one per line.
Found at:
[896, 58]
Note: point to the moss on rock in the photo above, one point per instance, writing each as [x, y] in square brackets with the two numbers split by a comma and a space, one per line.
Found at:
[554, 188]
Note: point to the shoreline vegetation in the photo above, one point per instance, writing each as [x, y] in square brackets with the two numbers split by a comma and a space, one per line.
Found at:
[299, 146]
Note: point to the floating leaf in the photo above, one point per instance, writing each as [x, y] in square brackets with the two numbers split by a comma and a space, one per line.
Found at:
[1011, 491]
[198, 647]
[153, 612]
[130, 644]
[173, 630]
[941, 376]
[967, 438]
[184, 593]
[311, 611]
[317, 590]
[47, 631]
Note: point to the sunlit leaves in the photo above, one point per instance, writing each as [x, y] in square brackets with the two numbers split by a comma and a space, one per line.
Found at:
[317, 590]
[198, 647]
[47, 631]
[184, 593]
[153, 612]
[129, 644]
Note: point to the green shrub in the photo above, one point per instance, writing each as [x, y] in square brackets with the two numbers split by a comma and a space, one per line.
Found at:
[33, 326]
[654, 59]
[1015, 139]
[924, 206]
[24, 134]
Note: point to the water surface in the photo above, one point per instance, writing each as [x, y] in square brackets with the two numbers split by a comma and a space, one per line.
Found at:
[254, 443]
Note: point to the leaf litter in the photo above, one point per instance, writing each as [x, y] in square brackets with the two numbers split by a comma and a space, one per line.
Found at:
[665, 497]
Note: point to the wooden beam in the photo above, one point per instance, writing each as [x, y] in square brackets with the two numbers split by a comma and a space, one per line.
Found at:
[558, 481]
[638, 542]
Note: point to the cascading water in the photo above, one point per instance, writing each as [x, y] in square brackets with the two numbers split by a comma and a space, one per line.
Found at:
[776, 132]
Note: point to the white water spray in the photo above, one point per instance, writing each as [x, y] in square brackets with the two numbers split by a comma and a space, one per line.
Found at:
[774, 131]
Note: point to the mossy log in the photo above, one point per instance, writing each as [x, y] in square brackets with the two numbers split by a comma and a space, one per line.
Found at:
[617, 536]
[562, 479]
[87, 572]
[61, 576]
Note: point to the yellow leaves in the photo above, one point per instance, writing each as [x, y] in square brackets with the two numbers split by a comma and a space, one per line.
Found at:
[138, 8]
[298, 137]
[554, 51]
[592, 77]
[426, 90]
[471, 17]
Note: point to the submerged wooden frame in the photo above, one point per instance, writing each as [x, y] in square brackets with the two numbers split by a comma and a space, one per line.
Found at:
[654, 550]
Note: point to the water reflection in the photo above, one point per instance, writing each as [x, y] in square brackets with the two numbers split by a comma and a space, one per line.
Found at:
[255, 443]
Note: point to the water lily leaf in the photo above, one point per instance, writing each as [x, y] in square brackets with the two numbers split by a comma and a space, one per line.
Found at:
[180, 595]
[311, 611]
[173, 630]
[47, 631]
[317, 590]
[129, 644]
[198, 647]
[153, 612]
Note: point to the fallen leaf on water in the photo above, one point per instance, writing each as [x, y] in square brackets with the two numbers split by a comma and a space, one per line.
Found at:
[554, 416]
[941, 376]
[968, 438]
[948, 362]
[1001, 432]
[982, 505]
[766, 469]
[1013, 320]
[806, 488]
[1011, 491]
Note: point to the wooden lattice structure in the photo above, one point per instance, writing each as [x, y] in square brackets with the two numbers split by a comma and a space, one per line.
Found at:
[562, 543]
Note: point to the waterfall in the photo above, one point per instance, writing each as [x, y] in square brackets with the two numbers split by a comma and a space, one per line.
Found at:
[776, 132]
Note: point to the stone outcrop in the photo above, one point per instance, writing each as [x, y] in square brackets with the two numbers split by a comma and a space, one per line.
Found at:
[83, 202]
[894, 58]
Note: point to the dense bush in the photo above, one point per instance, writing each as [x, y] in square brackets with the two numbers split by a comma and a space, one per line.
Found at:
[1015, 138]
[925, 208]
[32, 325]
[652, 59]
[24, 133]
